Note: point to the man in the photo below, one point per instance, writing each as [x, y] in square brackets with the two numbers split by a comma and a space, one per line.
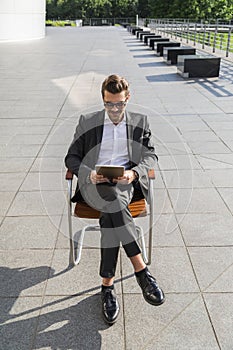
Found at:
[115, 136]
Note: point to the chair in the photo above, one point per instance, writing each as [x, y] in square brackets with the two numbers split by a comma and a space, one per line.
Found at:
[137, 208]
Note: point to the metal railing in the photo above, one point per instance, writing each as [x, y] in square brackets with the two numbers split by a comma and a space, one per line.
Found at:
[108, 21]
[217, 38]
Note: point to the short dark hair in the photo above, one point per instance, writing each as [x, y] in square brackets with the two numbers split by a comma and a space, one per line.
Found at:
[115, 84]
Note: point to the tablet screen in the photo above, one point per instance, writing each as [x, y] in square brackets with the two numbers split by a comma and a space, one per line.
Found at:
[110, 171]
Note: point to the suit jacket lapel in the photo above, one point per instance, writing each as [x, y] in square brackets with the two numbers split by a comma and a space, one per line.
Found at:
[99, 127]
[130, 130]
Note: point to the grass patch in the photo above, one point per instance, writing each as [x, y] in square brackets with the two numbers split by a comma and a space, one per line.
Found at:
[51, 23]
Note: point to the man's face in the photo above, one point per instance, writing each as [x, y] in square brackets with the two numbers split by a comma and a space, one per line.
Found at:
[115, 105]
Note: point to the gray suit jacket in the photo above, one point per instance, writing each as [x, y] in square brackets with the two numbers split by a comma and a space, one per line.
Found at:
[84, 150]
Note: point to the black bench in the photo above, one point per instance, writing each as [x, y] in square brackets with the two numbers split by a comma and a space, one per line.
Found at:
[198, 66]
[138, 32]
[170, 54]
[154, 40]
[141, 34]
[135, 30]
[160, 45]
[149, 36]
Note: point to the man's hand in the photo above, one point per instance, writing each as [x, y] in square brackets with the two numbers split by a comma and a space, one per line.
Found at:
[97, 179]
[128, 177]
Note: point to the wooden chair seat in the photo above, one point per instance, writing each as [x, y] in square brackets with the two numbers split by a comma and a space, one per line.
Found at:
[137, 207]
[83, 210]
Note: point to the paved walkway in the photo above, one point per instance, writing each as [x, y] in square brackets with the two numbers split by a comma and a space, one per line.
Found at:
[45, 85]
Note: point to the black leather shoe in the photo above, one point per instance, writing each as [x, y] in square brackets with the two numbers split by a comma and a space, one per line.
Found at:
[110, 306]
[150, 289]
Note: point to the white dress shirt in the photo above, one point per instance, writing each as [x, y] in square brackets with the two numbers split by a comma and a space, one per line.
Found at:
[114, 147]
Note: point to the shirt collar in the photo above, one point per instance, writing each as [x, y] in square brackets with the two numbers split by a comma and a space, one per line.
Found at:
[107, 120]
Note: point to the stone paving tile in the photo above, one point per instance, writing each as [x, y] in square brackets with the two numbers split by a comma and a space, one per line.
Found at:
[20, 320]
[28, 233]
[225, 134]
[167, 133]
[75, 322]
[76, 280]
[226, 106]
[212, 229]
[170, 266]
[166, 231]
[187, 178]
[18, 151]
[162, 202]
[227, 195]
[172, 148]
[63, 133]
[208, 147]
[184, 119]
[190, 126]
[27, 140]
[5, 139]
[221, 126]
[220, 308]
[229, 144]
[44, 181]
[213, 267]
[38, 203]
[27, 129]
[54, 150]
[19, 124]
[200, 136]
[180, 323]
[48, 164]
[11, 182]
[221, 177]
[5, 201]
[24, 272]
[174, 162]
[197, 200]
[215, 161]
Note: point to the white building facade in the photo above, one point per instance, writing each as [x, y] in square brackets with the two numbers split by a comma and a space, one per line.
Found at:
[22, 19]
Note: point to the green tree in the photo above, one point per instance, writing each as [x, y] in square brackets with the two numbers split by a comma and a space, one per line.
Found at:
[160, 9]
[222, 9]
[144, 9]
[188, 9]
[71, 9]
[53, 9]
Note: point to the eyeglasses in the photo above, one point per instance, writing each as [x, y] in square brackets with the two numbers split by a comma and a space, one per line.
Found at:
[118, 105]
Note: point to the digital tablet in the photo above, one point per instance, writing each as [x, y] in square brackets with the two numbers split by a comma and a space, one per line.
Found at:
[110, 171]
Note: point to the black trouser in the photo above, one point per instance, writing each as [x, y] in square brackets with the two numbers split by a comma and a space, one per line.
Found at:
[116, 222]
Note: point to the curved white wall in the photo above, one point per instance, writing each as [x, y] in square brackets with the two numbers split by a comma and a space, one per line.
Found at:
[22, 19]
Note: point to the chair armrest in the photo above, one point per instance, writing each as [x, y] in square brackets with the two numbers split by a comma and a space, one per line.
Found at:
[69, 178]
[69, 175]
[151, 174]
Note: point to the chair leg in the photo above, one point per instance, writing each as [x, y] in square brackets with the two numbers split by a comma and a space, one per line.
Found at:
[142, 243]
[72, 258]
[151, 222]
[75, 252]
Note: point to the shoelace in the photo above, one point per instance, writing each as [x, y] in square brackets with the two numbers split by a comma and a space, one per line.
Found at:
[109, 297]
[151, 282]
